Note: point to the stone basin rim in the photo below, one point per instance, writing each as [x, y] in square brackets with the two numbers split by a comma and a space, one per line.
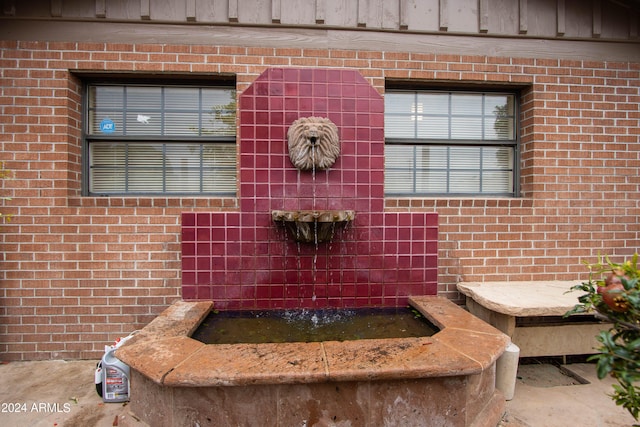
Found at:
[164, 352]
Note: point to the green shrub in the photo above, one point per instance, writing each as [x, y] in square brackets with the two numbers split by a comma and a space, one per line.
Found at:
[613, 295]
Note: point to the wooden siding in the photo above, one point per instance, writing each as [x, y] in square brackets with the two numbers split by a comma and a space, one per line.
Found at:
[581, 19]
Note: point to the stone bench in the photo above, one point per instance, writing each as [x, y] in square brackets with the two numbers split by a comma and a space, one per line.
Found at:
[531, 313]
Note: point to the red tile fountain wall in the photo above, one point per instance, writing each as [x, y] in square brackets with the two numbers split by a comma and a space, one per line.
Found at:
[245, 260]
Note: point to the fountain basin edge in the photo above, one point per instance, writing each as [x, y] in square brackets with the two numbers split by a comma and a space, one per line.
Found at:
[457, 364]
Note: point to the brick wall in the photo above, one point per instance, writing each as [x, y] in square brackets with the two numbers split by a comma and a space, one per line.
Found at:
[77, 272]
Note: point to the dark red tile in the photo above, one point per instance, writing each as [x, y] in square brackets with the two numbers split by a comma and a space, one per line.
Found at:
[233, 263]
[218, 263]
[246, 120]
[294, 74]
[305, 89]
[377, 134]
[262, 118]
[203, 234]
[432, 220]
[244, 251]
[320, 105]
[204, 292]
[276, 118]
[188, 219]
[376, 290]
[203, 248]
[233, 219]
[391, 276]
[432, 260]
[217, 294]
[188, 234]
[248, 292]
[276, 103]
[431, 275]
[334, 114]
[431, 247]
[261, 104]
[218, 234]
[363, 163]
[188, 263]
[365, 91]
[349, 106]
[290, 105]
[377, 173]
[188, 291]
[277, 74]
[246, 161]
[348, 90]
[218, 219]
[376, 275]
[203, 263]
[276, 89]
[203, 219]
[276, 291]
[232, 278]
[291, 276]
[246, 103]
[261, 133]
[404, 244]
[203, 277]
[391, 247]
[320, 75]
[418, 263]
[261, 88]
[349, 276]
[305, 75]
[363, 133]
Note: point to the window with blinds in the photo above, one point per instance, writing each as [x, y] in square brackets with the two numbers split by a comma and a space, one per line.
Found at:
[450, 143]
[144, 139]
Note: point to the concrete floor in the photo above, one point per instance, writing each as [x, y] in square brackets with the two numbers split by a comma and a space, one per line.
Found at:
[56, 394]
[545, 397]
[62, 394]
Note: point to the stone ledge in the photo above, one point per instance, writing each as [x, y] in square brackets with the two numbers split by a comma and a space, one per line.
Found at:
[523, 298]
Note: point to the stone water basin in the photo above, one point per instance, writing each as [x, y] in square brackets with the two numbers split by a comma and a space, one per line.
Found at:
[447, 379]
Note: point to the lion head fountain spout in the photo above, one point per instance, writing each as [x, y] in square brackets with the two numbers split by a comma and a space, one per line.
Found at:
[313, 226]
[313, 143]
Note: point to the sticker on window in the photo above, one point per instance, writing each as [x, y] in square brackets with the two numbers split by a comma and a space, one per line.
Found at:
[107, 126]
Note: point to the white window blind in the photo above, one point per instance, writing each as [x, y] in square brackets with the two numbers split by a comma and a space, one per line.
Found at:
[161, 139]
[442, 143]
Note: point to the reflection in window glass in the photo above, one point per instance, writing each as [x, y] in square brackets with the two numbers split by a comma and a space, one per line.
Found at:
[161, 139]
[466, 104]
[162, 168]
[160, 111]
[434, 103]
[450, 143]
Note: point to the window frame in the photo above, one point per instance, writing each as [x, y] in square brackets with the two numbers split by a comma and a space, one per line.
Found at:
[515, 144]
[223, 82]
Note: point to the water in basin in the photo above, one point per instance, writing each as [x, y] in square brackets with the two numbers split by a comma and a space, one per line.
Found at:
[235, 327]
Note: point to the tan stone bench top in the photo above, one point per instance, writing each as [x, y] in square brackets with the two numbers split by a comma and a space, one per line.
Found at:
[522, 299]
